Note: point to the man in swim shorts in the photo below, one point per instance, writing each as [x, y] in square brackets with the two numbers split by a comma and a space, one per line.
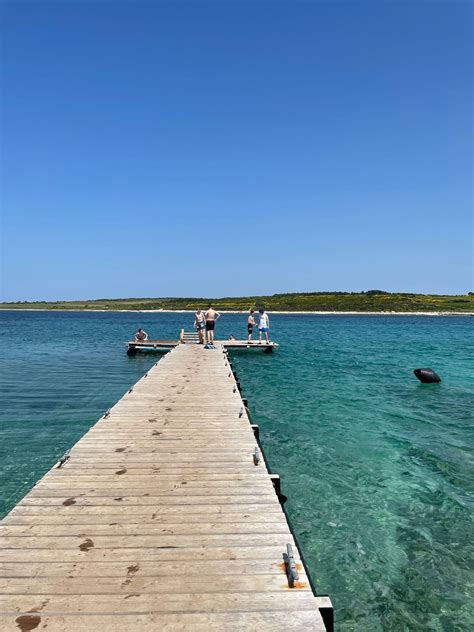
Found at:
[263, 325]
[199, 324]
[141, 335]
[211, 316]
[250, 325]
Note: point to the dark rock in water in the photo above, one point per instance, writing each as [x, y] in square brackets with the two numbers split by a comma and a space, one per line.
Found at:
[427, 376]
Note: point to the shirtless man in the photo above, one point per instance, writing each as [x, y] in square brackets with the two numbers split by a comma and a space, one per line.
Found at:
[211, 316]
[141, 335]
[250, 325]
[199, 324]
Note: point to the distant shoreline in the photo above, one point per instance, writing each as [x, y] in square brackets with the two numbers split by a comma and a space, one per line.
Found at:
[370, 302]
[269, 311]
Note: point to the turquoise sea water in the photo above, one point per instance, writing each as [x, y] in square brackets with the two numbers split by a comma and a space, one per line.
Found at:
[378, 468]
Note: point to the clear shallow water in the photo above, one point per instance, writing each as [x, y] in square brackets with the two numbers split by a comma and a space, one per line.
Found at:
[378, 468]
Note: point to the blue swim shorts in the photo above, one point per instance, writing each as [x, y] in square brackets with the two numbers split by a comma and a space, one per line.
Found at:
[263, 330]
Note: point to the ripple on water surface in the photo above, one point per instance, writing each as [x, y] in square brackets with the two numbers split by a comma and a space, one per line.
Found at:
[377, 467]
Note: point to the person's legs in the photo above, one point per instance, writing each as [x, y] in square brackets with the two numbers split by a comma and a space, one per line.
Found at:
[210, 332]
[259, 335]
[266, 335]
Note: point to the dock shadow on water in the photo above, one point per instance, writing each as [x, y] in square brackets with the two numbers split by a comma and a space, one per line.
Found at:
[375, 465]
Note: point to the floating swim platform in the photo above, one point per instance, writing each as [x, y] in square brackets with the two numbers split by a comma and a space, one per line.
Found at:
[150, 345]
[191, 337]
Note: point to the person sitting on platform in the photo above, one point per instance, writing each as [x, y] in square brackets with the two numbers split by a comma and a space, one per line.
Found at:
[141, 335]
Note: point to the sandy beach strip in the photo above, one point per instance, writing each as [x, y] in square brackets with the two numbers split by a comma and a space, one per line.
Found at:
[245, 311]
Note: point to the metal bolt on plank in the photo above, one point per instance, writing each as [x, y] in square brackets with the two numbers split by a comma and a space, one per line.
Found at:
[290, 566]
[62, 460]
[256, 456]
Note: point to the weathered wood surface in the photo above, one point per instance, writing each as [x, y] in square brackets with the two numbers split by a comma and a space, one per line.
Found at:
[158, 521]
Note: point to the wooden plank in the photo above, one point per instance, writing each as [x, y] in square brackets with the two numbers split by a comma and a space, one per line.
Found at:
[112, 518]
[194, 489]
[144, 474]
[170, 622]
[88, 540]
[139, 554]
[172, 513]
[130, 582]
[153, 459]
[175, 602]
[151, 499]
[143, 569]
[77, 528]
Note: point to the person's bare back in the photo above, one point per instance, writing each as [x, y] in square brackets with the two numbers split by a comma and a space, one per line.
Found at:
[211, 314]
[211, 317]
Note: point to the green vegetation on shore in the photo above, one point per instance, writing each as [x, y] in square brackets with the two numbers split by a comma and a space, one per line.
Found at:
[371, 301]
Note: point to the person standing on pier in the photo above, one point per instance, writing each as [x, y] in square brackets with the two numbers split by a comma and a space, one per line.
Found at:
[263, 325]
[199, 324]
[211, 316]
[250, 325]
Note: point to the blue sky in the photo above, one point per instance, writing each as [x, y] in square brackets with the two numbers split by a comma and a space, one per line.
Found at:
[232, 148]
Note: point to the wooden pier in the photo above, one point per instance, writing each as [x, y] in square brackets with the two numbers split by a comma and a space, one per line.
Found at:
[162, 517]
